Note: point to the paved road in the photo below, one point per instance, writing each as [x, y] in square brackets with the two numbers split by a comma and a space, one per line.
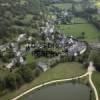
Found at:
[93, 86]
[91, 69]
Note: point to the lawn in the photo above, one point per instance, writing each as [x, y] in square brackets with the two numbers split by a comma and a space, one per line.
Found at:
[96, 80]
[91, 33]
[65, 6]
[78, 7]
[79, 20]
[64, 70]
[31, 58]
[97, 3]
[97, 17]
[22, 2]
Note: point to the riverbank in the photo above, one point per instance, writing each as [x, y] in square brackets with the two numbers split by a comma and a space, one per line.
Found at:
[48, 83]
[89, 74]
[61, 71]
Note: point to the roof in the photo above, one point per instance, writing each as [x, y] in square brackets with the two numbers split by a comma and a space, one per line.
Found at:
[43, 66]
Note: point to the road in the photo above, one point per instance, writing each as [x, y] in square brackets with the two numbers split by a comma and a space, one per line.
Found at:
[93, 86]
[91, 69]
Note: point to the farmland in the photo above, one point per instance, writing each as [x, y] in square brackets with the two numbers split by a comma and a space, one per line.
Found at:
[76, 29]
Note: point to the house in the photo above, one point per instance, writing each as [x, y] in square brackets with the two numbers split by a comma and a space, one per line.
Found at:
[48, 40]
[71, 41]
[21, 60]
[51, 29]
[30, 38]
[43, 66]
[91, 67]
[5, 4]
[66, 14]
[11, 64]
[18, 54]
[2, 48]
[21, 37]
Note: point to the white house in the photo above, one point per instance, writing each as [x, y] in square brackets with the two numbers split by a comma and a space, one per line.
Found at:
[30, 38]
[43, 66]
[20, 37]
[18, 54]
[21, 60]
[11, 64]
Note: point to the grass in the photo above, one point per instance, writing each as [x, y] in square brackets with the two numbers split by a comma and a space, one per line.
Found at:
[91, 33]
[30, 58]
[22, 2]
[78, 7]
[79, 20]
[64, 70]
[65, 6]
[97, 17]
[96, 80]
[97, 3]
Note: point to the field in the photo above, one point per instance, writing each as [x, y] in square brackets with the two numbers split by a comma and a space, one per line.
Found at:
[97, 17]
[97, 3]
[78, 20]
[64, 70]
[65, 6]
[68, 6]
[78, 7]
[91, 33]
[30, 58]
[22, 2]
[80, 25]
[96, 80]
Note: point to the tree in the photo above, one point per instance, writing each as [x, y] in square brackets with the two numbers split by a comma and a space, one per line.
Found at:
[83, 34]
[11, 81]
[94, 56]
[1, 54]
[19, 80]
[2, 85]
[26, 73]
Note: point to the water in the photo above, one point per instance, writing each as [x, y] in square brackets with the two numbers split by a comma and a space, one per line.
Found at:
[67, 91]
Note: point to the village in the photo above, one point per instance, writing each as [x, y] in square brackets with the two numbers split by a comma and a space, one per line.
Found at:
[51, 38]
[46, 43]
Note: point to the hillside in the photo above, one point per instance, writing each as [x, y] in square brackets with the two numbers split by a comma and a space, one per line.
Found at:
[18, 16]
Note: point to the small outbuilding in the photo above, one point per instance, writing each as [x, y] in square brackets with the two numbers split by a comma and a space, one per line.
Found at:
[43, 66]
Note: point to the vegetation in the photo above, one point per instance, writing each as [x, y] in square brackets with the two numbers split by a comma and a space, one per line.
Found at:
[65, 6]
[96, 80]
[17, 20]
[64, 70]
[69, 6]
[27, 16]
[91, 33]
[95, 58]
[32, 59]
